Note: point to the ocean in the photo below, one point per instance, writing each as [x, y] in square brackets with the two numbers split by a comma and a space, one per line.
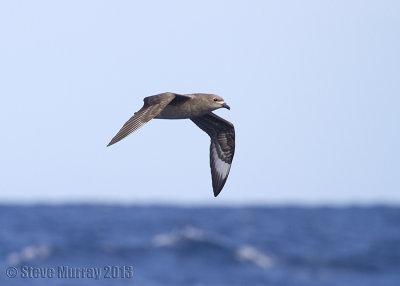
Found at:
[167, 245]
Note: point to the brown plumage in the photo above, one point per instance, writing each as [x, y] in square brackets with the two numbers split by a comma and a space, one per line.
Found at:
[198, 107]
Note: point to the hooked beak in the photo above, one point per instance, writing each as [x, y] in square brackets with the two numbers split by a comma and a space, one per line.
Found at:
[226, 106]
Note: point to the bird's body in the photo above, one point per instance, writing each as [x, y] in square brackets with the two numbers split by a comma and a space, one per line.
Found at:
[178, 108]
[197, 107]
[185, 106]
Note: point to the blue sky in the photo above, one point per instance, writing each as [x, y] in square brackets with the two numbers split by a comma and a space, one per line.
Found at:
[314, 90]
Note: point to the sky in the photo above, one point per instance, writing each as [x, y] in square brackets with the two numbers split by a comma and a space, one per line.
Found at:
[313, 86]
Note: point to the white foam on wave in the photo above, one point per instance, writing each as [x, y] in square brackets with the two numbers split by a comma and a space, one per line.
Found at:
[242, 253]
[249, 253]
[29, 253]
[165, 239]
[171, 239]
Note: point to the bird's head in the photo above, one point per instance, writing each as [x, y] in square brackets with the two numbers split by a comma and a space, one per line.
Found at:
[216, 101]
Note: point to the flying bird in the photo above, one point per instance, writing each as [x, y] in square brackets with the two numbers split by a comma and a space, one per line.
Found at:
[197, 107]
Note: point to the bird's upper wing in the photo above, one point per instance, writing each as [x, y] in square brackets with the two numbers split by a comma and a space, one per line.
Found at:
[222, 148]
[152, 106]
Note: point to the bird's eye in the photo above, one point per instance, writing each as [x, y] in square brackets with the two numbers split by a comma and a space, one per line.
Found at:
[215, 99]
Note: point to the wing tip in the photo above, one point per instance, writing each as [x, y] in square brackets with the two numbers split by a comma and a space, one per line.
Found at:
[217, 191]
[111, 143]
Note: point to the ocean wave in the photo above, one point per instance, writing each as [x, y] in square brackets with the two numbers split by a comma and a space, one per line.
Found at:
[29, 253]
[192, 235]
[251, 254]
[174, 238]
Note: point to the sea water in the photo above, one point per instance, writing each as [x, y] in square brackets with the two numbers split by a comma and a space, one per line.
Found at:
[160, 245]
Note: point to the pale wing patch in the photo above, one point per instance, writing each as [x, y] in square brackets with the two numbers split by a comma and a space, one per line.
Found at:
[221, 167]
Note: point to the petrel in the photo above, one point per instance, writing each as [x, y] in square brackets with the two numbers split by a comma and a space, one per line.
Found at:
[197, 107]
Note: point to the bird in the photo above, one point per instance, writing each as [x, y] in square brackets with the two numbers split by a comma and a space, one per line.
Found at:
[198, 108]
